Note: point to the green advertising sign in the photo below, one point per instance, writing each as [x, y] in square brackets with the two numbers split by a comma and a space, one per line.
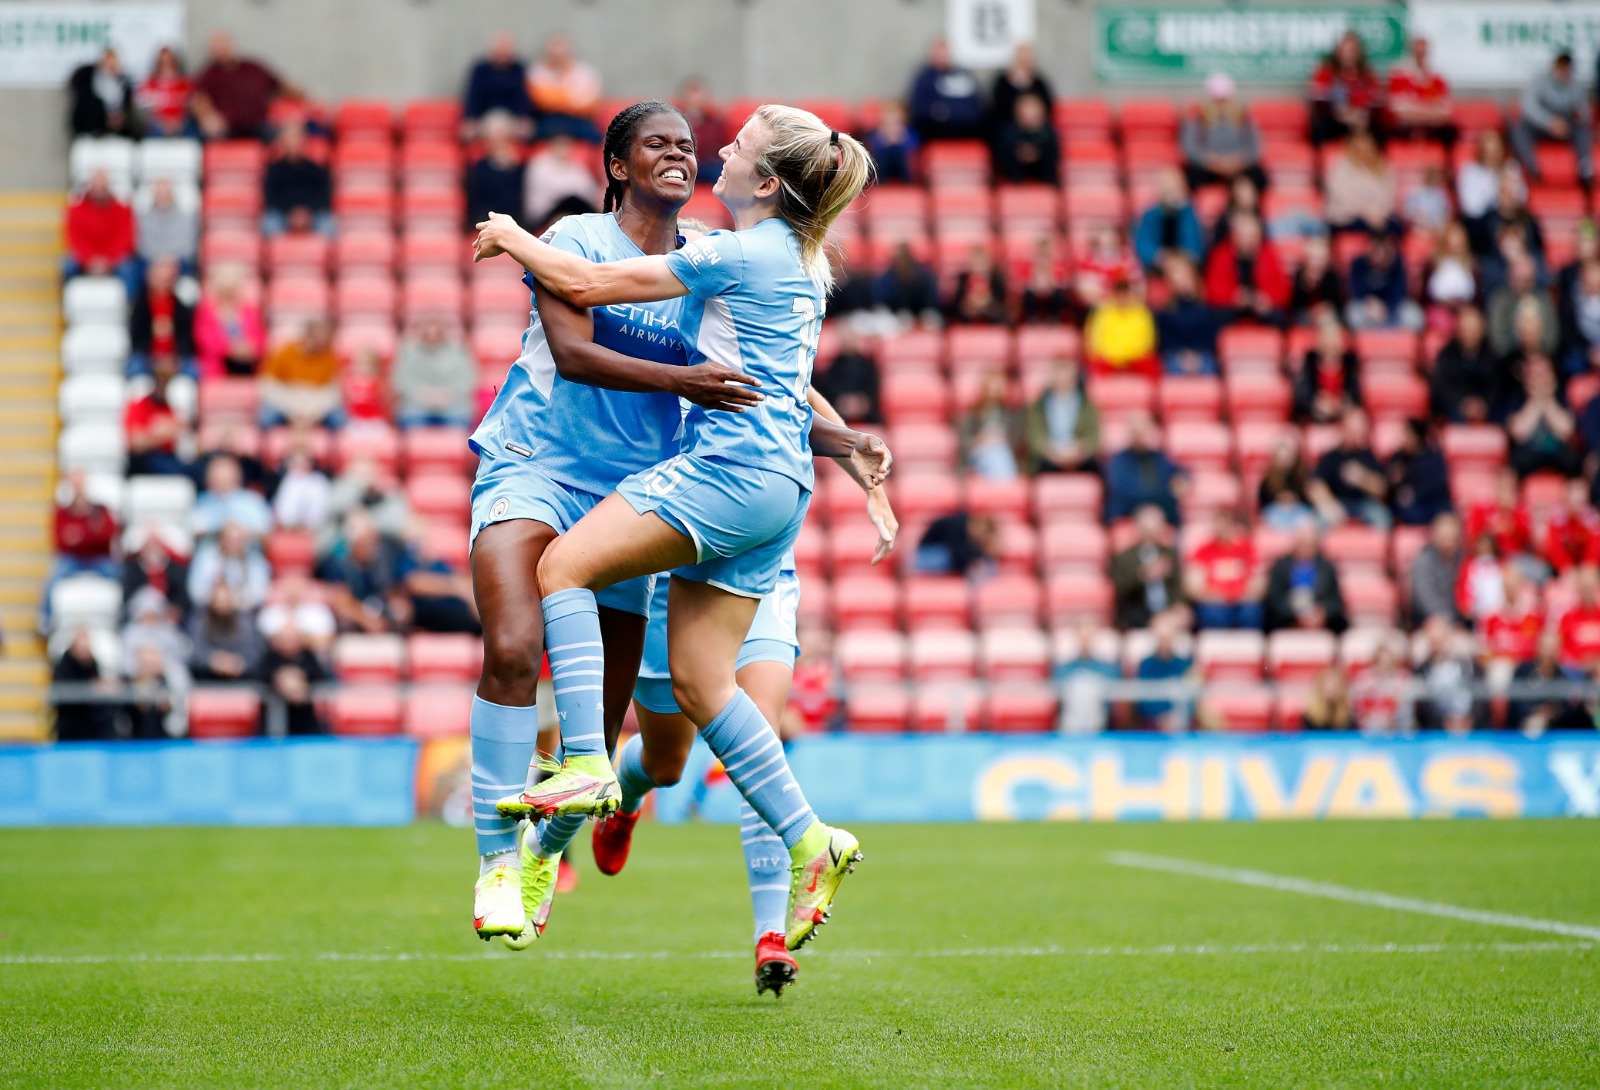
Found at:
[1143, 44]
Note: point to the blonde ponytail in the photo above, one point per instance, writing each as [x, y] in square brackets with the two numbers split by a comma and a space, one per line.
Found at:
[819, 171]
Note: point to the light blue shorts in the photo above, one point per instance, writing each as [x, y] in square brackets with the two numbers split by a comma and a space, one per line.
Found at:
[509, 486]
[743, 520]
[774, 637]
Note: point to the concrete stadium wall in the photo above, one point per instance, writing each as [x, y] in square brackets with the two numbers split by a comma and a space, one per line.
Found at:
[402, 49]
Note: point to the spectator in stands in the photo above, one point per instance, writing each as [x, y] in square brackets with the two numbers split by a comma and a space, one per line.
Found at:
[1579, 626]
[1511, 231]
[1063, 425]
[854, 290]
[1107, 260]
[1504, 517]
[85, 533]
[494, 181]
[1244, 196]
[1379, 289]
[79, 720]
[1448, 675]
[229, 335]
[959, 543]
[1026, 148]
[1083, 680]
[1452, 277]
[1329, 705]
[1120, 336]
[1382, 694]
[1419, 104]
[1245, 276]
[156, 565]
[565, 92]
[944, 99]
[1555, 107]
[1223, 579]
[1585, 251]
[851, 382]
[297, 604]
[226, 644]
[559, 182]
[1169, 227]
[166, 230]
[1480, 589]
[300, 380]
[1540, 426]
[225, 500]
[1436, 571]
[102, 99]
[497, 83]
[1046, 299]
[1317, 288]
[1344, 92]
[100, 238]
[1187, 326]
[301, 501]
[1521, 317]
[438, 596]
[231, 557]
[1283, 496]
[1165, 663]
[151, 624]
[1479, 181]
[1146, 580]
[434, 377]
[154, 430]
[158, 689]
[710, 127]
[1419, 480]
[1533, 716]
[1349, 482]
[364, 566]
[1220, 142]
[1427, 206]
[1510, 634]
[1303, 587]
[1329, 378]
[1465, 378]
[232, 94]
[362, 487]
[1143, 474]
[292, 669]
[163, 98]
[1017, 80]
[979, 294]
[362, 388]
[1572, 531]
[1580, 320]
[893, 144]
[991, 431]
[297, 191]
[161, 323]
[907, 287]
[1361, 188]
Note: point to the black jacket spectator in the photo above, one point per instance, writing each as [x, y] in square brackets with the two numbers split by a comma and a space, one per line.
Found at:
[1026, 148]
[957, 543]
[154, 565]
[1332, 471]
[1316, 287]
[1010, 84]
[1300, 591]
[101, 99]
[852, 384]
[81, 721]
[1146, 578]
[498, 82]
[291, 669]
[945, 104]
[294, 181]
[1419, 480]
[493, 186]
[1339, 380]
[1465, 383]
[907, 286]
[142, 333]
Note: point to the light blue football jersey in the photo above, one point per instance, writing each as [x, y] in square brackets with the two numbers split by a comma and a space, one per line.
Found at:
[754, 308]
[583, 436]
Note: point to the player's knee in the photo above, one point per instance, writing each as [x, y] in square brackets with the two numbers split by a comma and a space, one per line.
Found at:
[555, 572]
[665, 768]
[512, 649]
[701, 700]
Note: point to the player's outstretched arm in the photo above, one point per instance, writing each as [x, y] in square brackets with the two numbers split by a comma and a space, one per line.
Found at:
[582, 283]
[879, 510]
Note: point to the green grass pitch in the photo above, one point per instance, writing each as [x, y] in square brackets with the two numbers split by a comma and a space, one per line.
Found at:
[994, 956]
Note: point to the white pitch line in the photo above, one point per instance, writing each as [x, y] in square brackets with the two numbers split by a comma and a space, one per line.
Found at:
[1197, 950]
[1333, 892]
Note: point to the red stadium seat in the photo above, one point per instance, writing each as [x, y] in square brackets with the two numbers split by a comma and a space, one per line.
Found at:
[1030, 209]
[1358, 647]
[290, 551]
[920, 496]
[224, 399]
[1008, 599]
[1258, 397]
[949, 708]
[922, 347]
[1212, 490]
[1474, 446]
[1007, 499]
[433, 293]
[1224, 654]
[234, 161]
[431, 117]
[1073, 594]
[865, 602]
[443, 541]
[438, 711]
[438, 449]
[1370, 599]
[912, 398]
[1012, 653]
[943, 655]
[926, 446]
[370, 441]
[365, 709]
[963, 212]
[1018, 552]
[1288, 710]
[1299, 655]
[1084, 117]
[231, 246]
[1280, 117]
[365, 161]
[1395, 397]
[1189, 397]
[441, 656]
[956, 163]
[978, 348]
[850, 549]
[1354, 545]
[1080, 495]
[439, 495]
[1119, 395]
[364, 294]
[1074, 543]
[1014, 708]
[1042, 344]
[290, 254]
[871, 656]
[366, 116]
[364, 656]
[224, 713]
[1155, 118]
[1247, 711]
[1195, 445]
[366, 334]
[877, 709]
[1250, 345]
[934, 601]
[367, 249]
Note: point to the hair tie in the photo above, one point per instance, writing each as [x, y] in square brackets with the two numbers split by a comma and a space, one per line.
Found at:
[833, 137]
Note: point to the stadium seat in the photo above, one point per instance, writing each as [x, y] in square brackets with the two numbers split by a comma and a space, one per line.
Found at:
[1473, 446]
[1258, 397]
[926, 446]
[871, 656]
[1189, 397]
[436, 449]
[942, 655]
[233, 712]
[864, 603]
[1288, 709]
[877, 709]
[950, 163]
[165, 500]
[978, 348]
[1076, 495]
[1395, 397]
[1355, 545]
[369, 441]
[94, 300]
[365, 294]
[850, 549]
[175, 160]
[1020, 707]
[1244, 711]
[1195, 445]
[948, 708]
[112, 154]
[1359, 646]
[925, 496]
[1028, 209]
[1005, 499]
[369, 656]
[1080, 120]
[1252, 348]
[910, 398]
[1041, 344]
[1074, 543]
[1008, 599]
[1230, 654]
[364, 117]
[445, 657]
[93, 448]
[290, 552]
[1299, 655]
[1370, 599]
[85, 601]
[963, 212]
[92, 399]
[1013, 653]
[439, 495]
[364, 710]
[1074, 593]
[933, 601]
[437, 118]
[438, 710]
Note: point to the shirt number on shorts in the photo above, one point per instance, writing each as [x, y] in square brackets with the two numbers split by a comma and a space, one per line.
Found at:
[665, 478]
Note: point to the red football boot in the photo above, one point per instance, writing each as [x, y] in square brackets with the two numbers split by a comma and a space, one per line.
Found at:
[613, 836]
[775, 966]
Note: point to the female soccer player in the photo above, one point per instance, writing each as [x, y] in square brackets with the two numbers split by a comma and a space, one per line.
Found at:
[592, 398]
[655, 757]
[721, 515]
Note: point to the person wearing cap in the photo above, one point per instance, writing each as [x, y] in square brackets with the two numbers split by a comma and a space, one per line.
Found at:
[1219, 141]
[1554, 108]
[1419, 98]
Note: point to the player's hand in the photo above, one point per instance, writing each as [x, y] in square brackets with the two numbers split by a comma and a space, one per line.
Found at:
[493, 235]
[884, 521]
[871, 459]
[713, 386]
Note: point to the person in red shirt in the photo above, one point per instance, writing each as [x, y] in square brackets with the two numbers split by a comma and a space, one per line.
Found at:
[1511, 633]
[1572, 533]
[85, 532]
[153, 428]
[100, 234]
[1344, 92]
[1419, 104]
[1225, 581]
[1245, 275]
[1503, 518]
[163, 99]
[1580, 625]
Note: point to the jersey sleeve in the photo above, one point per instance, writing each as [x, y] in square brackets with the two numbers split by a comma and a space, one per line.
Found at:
[709, 266]
[570, 236]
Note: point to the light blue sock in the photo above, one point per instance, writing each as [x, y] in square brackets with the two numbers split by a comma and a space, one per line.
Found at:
[636, 782]
[577, 668]
[557, 832]
[766, 861]
[502, 743]
[749, 750]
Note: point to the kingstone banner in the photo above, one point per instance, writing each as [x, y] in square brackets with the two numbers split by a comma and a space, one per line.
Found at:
[1506, 42]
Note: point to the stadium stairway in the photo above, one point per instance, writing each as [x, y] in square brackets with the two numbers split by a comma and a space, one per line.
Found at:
[30, 349]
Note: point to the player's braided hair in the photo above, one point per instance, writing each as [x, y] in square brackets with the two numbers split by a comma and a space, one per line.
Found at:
[620, 134]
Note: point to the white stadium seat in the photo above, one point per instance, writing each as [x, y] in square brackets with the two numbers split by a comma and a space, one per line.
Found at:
[85, 601]
[112, 154]
[95, 350]
[93, 448]
[95, 300]
[91, 399]
[175, 160]
[165, 501]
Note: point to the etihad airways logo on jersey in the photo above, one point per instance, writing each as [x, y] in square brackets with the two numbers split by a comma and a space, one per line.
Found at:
[643, 324]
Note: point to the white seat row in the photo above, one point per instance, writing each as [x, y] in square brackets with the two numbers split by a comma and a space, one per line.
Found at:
[95, 349]
[93, 448]
[95, 300]
[85, 601]
[125, 161]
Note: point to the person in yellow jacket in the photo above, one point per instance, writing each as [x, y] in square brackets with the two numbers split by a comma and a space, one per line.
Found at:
[1120, 337]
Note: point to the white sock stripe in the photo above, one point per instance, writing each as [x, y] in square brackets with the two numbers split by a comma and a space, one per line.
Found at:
[560, 689]
[496, 786]
[746, 744]
[582, 737]
[770, 889]
[1332, 892]
[748, 760]
[781, 827]
[508, 826]
[570, 646]
[753, 788]
[747, 773]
